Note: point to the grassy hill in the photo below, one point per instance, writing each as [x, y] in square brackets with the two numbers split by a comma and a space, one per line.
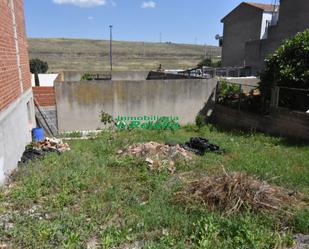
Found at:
[93, 55]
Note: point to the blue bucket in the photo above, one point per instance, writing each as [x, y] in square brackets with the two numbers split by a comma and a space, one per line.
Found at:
[38, 134]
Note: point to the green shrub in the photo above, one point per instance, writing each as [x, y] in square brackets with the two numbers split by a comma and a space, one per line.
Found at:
[200, 121]
[106, 118]
[86, 77]
[207, 62]
[243, 232]
[228, 93]
[289, 67]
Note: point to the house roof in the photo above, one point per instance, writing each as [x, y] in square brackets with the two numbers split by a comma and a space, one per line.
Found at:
[260, 6]
[265, 7]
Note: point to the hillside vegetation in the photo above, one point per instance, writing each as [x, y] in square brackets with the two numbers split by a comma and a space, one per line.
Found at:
[93, 55]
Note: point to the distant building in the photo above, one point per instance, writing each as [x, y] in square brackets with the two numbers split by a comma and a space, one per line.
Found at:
[252, 31]
[46, 79]
[16, 100]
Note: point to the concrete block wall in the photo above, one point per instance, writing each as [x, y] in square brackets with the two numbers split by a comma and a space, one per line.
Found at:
[47, 118]
[281, 123]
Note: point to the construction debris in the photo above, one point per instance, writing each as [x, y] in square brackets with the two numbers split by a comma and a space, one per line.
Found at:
[40, 149]
[200, 145]
[52, 144]
[235, 192]
[158, 156]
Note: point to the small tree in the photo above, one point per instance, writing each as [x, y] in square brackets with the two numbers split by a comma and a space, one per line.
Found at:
[289, 67]
[205, 63]
[38, 66]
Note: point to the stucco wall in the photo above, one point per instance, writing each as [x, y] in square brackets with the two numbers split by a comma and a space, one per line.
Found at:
[15, 132]
[80, 103]
[241, 25]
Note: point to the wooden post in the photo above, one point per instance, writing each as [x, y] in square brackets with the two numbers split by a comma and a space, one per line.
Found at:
[217, 92]
[240, 92]
[274, 99]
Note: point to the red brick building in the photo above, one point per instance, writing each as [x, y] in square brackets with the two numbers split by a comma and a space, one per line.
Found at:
[16, 101]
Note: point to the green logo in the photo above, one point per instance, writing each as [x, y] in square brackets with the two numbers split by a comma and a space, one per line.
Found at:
[148, 122]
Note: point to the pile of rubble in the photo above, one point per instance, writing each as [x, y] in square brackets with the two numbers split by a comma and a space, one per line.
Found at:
[40, 149]
[235, 192]
[52, 144]
[158, 156]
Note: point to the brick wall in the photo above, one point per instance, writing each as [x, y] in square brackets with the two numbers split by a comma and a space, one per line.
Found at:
[44, 95]
[46, 115]
[10, 84]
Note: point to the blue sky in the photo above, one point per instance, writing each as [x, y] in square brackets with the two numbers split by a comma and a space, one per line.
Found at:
[179, 21]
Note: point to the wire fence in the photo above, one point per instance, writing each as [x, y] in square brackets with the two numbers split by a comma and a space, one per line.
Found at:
[262, 100]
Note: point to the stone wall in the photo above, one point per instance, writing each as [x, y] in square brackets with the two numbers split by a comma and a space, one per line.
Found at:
[79, 103]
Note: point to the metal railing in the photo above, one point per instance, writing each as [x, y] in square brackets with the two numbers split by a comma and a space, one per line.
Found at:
[212, 72]
[261, 100]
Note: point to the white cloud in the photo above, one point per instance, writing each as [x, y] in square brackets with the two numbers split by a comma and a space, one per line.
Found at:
[82, 3]
[90, 18]
[149, 4]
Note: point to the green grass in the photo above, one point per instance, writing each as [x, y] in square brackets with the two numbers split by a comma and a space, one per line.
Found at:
[93, 55]
[90, 194]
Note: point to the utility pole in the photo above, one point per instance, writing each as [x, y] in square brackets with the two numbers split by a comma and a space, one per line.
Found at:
[205, 56]
[111, 47]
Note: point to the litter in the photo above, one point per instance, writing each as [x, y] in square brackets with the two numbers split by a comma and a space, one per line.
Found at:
[200, 145]
[31, 154]
[235, 192]
[38, 150]
[158, 156]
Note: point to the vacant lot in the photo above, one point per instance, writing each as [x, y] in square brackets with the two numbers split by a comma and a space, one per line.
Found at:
[93, 55]
[91, 197]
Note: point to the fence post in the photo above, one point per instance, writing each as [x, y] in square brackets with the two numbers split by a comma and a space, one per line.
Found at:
[240, 92]
[217, 92]
[274, 99]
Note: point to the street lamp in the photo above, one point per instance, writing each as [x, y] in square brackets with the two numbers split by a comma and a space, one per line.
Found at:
[111, 47]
